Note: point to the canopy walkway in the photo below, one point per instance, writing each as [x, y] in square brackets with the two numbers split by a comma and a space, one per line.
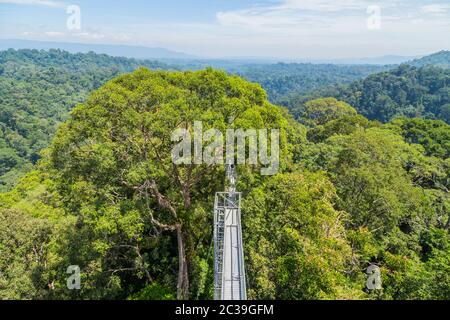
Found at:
[229, 272]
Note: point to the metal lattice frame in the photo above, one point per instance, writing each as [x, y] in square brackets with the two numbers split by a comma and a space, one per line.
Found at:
[229, 271]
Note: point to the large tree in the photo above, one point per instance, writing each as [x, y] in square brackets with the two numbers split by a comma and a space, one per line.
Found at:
[113, 157]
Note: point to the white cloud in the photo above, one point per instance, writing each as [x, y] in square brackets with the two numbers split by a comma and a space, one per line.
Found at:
[289, 12]
[332, 27]
[47, 3]
[294, 16]
[324, 17]
[436, 8]
[325, 5]
[282, 28]
[89, 35]
[54, 34]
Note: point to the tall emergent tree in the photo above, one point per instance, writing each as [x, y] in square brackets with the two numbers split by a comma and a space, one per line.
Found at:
[114, 166]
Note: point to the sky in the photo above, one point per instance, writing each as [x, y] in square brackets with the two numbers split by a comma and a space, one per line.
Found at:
[293, 29]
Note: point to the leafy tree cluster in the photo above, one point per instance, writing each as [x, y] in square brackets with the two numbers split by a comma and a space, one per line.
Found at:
[283, 80]
[403, 92]
[350, 193]
[37, 91]
[433, 135]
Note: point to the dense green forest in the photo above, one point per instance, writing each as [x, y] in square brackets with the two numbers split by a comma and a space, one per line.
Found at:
[282, 80]
[37, 91]
[405, 91]
[364, 179]
[105, 196]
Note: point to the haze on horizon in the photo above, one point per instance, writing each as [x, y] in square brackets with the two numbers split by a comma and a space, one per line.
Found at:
[289, 29]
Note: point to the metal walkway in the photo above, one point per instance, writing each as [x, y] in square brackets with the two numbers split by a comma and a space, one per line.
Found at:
[228, 249]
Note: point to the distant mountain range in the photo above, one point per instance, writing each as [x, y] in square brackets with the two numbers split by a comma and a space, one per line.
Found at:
[112, 50]
[439, 59]
[140, 52]
[383, 60]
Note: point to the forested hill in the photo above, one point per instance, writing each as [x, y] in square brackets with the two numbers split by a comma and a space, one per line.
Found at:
[281, 80]
[350, 194]
[405, 91]
[439, 59]
[75, 62]
[37, 90]
[286, 79]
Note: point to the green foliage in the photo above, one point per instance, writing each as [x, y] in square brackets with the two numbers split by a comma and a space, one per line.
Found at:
[23, 246]
[394, 191]
[403, 92]
[434, 136]
[106, 197]
[112, 164]
[295, 240]
[37, 91]
[154, 292]
[321, 111]
[344, 125]
[283, 80]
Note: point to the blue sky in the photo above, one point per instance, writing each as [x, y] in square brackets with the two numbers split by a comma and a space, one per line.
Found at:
[219, 28]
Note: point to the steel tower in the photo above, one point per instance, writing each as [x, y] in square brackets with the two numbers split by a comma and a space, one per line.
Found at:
[229, 272]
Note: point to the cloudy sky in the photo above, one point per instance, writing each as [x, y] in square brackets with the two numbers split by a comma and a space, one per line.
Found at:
[318, 29]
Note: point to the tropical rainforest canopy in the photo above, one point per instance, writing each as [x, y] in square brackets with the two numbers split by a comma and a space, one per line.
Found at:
[359, 184]
[403, 92]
